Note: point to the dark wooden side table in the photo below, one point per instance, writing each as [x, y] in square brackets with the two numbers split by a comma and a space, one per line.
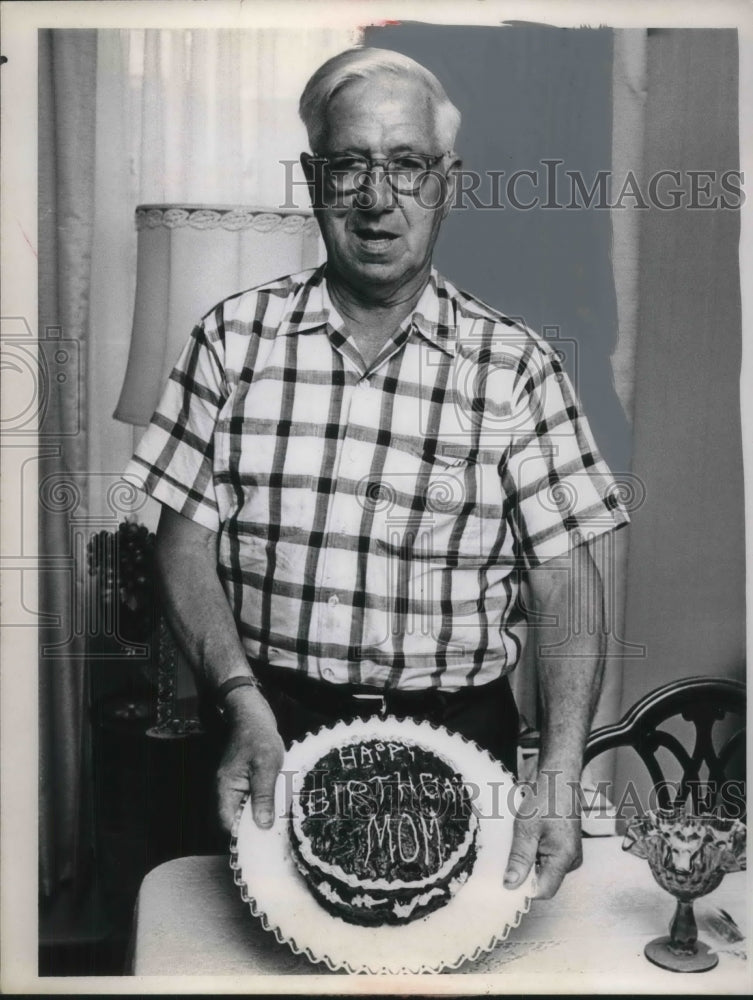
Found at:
[153, 797]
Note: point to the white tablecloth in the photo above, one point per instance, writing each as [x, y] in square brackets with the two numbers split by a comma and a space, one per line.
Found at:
[190, 920]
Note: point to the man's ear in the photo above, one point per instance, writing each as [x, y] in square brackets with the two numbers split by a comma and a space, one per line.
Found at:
[312, 171]
[308, 167]
[453, 179]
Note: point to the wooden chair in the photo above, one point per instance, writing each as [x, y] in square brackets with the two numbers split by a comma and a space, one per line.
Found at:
[703, 702]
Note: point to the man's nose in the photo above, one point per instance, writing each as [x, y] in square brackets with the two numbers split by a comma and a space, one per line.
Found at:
[374, 192]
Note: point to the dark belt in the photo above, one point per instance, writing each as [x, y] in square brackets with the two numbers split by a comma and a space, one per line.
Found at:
[362, 699]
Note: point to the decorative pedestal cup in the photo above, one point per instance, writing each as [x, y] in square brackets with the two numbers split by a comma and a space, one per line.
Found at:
[688, 856]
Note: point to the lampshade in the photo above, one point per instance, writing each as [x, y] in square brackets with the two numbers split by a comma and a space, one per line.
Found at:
[189, 258]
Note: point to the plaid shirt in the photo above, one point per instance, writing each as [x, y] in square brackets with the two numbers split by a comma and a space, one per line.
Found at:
[372, 527]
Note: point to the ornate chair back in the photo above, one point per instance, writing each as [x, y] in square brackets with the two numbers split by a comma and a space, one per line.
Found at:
[704, 761]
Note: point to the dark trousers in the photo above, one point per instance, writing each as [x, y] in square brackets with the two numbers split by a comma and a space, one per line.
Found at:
[486, 715]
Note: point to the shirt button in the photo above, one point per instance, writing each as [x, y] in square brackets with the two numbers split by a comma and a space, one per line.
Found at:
[333, 601]
[328, 672]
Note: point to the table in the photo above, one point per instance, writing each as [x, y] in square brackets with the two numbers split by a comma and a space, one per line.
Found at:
[190, 920]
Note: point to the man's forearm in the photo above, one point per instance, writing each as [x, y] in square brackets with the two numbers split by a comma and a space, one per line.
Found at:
[569, 685]
[195, 603]
[570, 659]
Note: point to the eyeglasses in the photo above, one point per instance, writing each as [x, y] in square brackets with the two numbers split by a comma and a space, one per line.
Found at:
[405, 173]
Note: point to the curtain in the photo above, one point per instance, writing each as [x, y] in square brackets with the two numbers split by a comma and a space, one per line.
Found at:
[67, 65]
[629, 87]
[686, 582]
[628, 117]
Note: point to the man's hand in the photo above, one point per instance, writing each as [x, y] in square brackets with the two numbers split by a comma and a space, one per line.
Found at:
[547, 829]
[252, 758]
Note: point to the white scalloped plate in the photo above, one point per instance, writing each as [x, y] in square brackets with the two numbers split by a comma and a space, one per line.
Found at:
[475, 920]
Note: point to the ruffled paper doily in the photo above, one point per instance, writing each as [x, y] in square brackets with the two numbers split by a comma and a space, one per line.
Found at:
[475, 920]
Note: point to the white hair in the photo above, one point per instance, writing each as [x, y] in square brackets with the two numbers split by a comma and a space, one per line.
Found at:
[363, 63]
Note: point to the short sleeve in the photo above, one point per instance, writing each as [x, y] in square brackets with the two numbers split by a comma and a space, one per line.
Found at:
[174, 461]
[559, 491]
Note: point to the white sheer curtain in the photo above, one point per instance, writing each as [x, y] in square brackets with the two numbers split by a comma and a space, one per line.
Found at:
[67, 67]
[205, 117]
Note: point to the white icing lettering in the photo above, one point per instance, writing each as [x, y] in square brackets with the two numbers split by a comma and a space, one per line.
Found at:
[318, 802]
[427, 832]
[402, 838]
[338, 791]
[428, 782]
[405, 789]
[347, 756]
[360, 802]
[379, 780]
[366, 755]
[450, 792]
[396, 749]
[385, 834]
[400, 833]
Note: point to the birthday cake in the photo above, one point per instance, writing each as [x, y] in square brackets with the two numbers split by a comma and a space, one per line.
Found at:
[382, 832]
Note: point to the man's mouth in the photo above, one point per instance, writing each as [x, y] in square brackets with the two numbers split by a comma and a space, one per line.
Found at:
[375, 239]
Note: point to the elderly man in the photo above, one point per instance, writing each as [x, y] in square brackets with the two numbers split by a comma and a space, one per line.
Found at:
[357, 466]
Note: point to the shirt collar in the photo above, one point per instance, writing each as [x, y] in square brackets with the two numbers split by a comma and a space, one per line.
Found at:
[433, 315]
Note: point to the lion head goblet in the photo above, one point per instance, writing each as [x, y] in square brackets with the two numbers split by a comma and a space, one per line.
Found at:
[689, 855]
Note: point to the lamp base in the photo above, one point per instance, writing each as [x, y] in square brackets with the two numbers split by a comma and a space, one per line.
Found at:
[700, 960]
[175, 729]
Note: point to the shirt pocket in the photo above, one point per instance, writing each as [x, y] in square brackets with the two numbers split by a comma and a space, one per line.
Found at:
[441, 505]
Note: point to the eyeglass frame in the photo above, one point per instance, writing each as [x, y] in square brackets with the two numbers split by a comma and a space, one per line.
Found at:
[373, 162]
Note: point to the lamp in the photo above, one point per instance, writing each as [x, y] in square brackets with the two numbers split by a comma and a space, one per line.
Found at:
[189, 257]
